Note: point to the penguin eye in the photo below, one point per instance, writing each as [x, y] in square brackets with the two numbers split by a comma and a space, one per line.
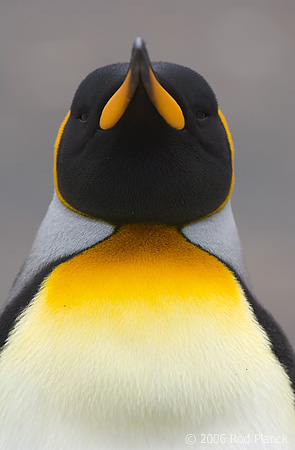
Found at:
[200, 115]
[84, 116]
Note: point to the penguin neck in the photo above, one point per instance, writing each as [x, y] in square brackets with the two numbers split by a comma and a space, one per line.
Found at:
[218, 235]
[64, 232]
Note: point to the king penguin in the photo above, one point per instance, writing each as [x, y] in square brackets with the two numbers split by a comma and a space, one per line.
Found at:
[132, 323]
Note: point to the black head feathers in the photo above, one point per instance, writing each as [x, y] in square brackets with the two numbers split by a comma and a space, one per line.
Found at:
[144, 143]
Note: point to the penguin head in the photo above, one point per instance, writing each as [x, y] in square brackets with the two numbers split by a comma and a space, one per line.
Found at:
[144, 143]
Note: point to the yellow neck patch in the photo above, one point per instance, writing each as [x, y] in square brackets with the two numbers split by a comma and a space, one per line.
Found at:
[142, 267]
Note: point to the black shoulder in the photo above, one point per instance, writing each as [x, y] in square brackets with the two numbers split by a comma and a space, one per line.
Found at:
[17, 304]
[279, 342]
[280, 345]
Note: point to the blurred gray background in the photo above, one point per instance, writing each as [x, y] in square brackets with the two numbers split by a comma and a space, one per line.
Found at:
[246, 51]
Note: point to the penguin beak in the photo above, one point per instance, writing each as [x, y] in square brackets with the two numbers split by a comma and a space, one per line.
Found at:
[140, 69]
